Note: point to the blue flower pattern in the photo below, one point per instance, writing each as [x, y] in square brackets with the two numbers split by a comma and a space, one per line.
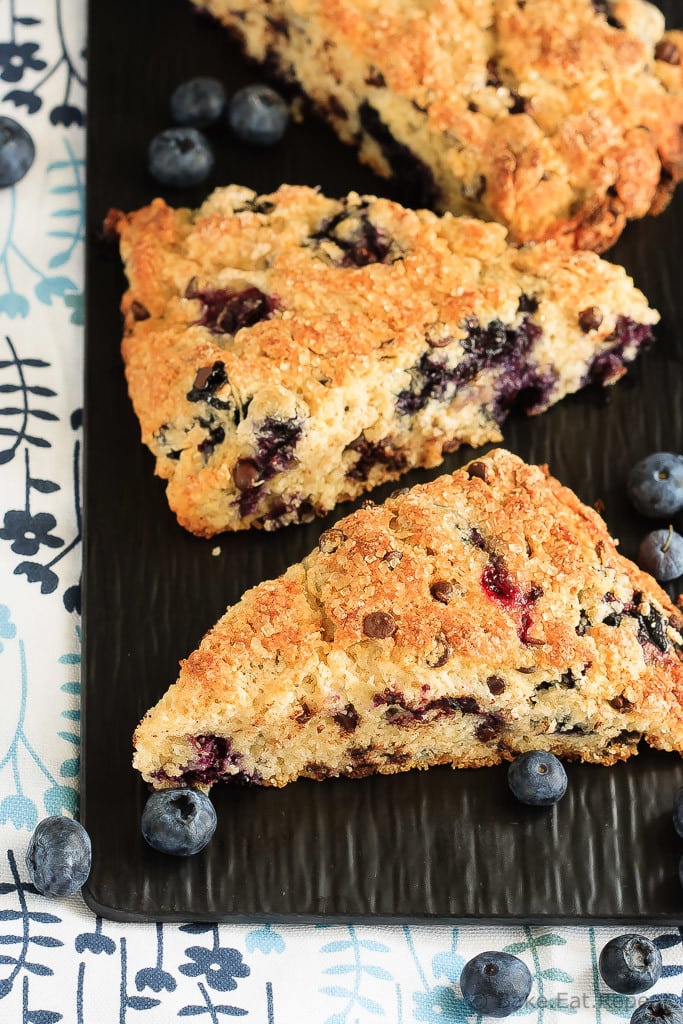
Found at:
[352, 974]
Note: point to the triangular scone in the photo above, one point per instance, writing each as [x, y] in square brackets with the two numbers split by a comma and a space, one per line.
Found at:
[484, 613]
[290, 351]
[558, 120]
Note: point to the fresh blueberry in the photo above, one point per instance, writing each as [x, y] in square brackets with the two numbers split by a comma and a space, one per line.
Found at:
[180, 157]
[178, 821]
[495, 984]
[661, 554]
[258, 114]
[678, 811]
[655, 485]
[16, 152]
[198, 102]
[58, 856]
[537, 778]
[630, 963]
[663, 1009]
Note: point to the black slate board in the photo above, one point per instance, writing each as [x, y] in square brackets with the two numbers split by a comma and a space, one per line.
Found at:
[417, 845]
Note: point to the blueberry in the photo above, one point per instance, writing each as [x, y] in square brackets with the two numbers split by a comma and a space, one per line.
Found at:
[16, 152]
[678, 812]
[655, 485]
[661, 554]
[58, 856]
[495, 984]
[198, 102]
[258, 114]
[630, 963]
[663, 1009]
[180, 157]
[537, 778]
[178, 821]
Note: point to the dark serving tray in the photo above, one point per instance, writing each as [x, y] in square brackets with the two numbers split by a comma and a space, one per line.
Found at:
[422, 845]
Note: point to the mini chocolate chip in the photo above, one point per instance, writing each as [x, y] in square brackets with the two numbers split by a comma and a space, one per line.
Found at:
[590, 319]
[442, 591]
[667, 51]
[304, 715]
[139, 311]
[379, 625]
[440, 652]
[480, 470]
[495, 684]
[621, 703]
[245, 474]
[330, 540]
[203, 374]
[489, 727]
[392, 558]
[347, 719]
[191, 291]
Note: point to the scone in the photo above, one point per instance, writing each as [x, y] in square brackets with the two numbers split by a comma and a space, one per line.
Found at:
[287, 352]
[468, 619]
[558, 120]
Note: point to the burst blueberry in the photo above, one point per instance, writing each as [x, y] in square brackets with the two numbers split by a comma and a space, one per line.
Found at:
[495, 984]
[257, 114]
[198, 102]
[661, 554]
[178, 821]
[630, 964]
[655, 485]
[59, 856]
[17, 152]
[664, 1009]
[537, 778]
[180, 157]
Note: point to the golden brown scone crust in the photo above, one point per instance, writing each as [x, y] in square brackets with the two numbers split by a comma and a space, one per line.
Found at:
[559, 121]
[290, 351]
[482, 614]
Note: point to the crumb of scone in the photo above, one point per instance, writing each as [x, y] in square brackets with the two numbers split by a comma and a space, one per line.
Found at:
[464, 621]
[290, 351]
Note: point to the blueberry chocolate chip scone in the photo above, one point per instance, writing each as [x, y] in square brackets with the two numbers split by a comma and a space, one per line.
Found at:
[464, 621]
[290, 351]
[558, 120]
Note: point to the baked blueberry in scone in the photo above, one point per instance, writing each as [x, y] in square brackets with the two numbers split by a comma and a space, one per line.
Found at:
[558, 120]
[287, 352]
[464, 621]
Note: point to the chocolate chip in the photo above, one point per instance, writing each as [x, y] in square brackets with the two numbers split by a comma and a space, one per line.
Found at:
[203, 374]
[191, 290]
[304, 715]
[347, 719]
[440, 653]
[621, 703]
[139, 311]
[668, 52]
[495, 684]
[480, 470]
[379, 625]
[590, 319]
[527, 303]
[330, 540]
[392, 558]
[442, 591]
[489, 727]
[245, 474]
[376, 78]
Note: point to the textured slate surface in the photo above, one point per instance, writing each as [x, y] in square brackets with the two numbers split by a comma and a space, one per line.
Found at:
[433, 844]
